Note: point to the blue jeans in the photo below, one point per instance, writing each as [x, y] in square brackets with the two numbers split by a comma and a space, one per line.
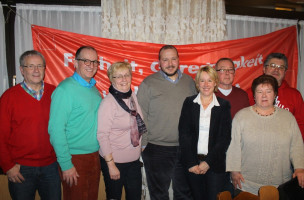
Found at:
[130, 178]
[44, 179]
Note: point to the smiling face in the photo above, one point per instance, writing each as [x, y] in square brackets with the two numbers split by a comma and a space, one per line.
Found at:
[264, 96]
[86, 71]
[169, 62]
[206, 84]
[279, 74]
[121, 80]
[33, 75]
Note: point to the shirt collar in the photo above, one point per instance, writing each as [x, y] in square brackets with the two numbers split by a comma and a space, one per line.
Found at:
[213, 103]
[36, 94]
[83, 82]
[180, 74]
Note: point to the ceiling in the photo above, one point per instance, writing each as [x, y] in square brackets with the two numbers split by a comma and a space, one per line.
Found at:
[292, 9]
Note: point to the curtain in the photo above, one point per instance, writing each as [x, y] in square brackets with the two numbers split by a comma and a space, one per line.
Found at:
[246, 26]
[3, 66]
[77, 19]
[164, 21]
[90, 21]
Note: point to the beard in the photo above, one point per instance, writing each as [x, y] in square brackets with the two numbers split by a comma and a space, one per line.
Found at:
[172, 74]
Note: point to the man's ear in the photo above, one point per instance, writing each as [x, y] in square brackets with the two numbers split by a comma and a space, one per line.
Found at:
[21, 69]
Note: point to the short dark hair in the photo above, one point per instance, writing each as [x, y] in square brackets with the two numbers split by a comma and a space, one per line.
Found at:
[165, 47]
[30, 53]
[77, 56]
[223, 59]
[280, 56]
[265, 79]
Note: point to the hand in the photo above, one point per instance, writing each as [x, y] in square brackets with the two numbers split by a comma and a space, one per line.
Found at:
[113, 171]
[203, 166]
[195, 169]
[299, 173]
[14, 174]
[70, 176]
[237, 178]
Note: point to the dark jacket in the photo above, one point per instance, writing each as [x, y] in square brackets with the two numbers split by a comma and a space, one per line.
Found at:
[219, 134]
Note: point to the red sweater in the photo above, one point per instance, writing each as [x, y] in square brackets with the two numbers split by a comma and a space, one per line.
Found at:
[238, 99]
[289, 99]
[24, 137]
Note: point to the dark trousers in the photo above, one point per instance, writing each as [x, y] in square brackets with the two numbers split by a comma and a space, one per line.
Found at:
[44, 179]
[207, 186]
[130, 178]
[160, 165]
[88, 168]
[181, 186]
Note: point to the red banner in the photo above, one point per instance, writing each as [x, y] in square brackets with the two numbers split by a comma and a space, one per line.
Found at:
[248, 54]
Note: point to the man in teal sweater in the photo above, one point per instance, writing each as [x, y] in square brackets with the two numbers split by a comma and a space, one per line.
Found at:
[73, 128]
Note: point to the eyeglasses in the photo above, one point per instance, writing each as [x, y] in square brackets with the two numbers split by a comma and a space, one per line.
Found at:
[275, 66]
[88, 62]
[222, 71]
[32, 67]
[120, 77]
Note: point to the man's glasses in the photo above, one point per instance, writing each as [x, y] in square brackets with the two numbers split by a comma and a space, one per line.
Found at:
[32, 67]
[222, 71]
[120, 77]
[275, 66]
[88, 62]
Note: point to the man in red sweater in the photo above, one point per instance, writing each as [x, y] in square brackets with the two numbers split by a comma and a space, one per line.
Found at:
[288, 98]
[237, 97]
[26, 155]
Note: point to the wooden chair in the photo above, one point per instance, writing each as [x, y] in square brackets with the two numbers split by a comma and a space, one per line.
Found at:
[265, 193]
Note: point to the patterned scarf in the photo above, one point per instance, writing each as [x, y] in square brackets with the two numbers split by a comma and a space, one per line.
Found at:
[141, 127]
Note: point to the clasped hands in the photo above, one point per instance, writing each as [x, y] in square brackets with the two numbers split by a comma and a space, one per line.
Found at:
[202, 168]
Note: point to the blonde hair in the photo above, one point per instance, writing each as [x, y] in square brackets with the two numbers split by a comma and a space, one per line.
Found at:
[116, 66]
[211, 72]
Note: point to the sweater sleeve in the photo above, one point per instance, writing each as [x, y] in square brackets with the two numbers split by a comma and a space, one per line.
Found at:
[105, 120]
[296, 147]
[144, 101]
[61, 107]
[234, 154]
[299, 113]
[6, 109]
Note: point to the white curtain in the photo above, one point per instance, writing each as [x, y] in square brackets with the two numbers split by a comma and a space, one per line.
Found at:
[3, 66]
[246, 26]
[164, 21]
[78, 19]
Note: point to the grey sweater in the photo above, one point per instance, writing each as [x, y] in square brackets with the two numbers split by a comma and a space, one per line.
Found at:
[161, 103]
[263, 148]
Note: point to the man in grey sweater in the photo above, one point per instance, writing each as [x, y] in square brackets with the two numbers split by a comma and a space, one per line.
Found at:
[161, 96]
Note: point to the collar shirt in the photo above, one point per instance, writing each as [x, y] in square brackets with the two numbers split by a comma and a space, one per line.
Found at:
[204, 124]
[83, 82]
[180, 74]
[225, 92]
[37, 95]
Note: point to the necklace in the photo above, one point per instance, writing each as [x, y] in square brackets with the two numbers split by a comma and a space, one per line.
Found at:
[256, 110]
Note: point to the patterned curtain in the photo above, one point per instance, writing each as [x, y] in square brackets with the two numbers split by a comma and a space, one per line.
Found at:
[164, 21]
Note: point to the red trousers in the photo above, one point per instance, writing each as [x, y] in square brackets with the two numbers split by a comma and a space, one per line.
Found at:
[88, 168]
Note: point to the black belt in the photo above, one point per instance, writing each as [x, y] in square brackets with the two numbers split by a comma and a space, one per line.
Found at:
[201, 157]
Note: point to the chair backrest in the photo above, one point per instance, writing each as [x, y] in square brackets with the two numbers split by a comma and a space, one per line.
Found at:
[224, 196]
[268, 193]
[246, 196]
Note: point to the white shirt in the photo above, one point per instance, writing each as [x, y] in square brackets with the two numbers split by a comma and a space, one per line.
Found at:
[225, 92]
[204, 124]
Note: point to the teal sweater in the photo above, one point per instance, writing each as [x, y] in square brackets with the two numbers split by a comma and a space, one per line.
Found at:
[73, 121]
